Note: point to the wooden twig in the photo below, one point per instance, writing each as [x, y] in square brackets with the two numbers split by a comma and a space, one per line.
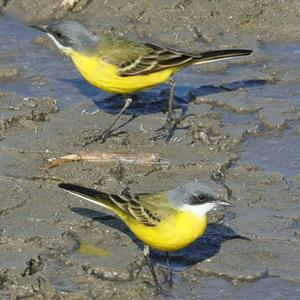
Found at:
[106, 157]
[68, 4]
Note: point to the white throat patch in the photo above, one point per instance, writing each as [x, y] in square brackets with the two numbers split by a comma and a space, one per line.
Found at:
[200, 209]
[66, 50]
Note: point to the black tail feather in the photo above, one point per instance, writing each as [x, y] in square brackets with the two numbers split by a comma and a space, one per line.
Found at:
[221, 54]
[77, 189]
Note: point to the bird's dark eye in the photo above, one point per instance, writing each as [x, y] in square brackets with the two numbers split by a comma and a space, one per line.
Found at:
[202, 198]
[62, 39]
[58, 34]
[198, 199]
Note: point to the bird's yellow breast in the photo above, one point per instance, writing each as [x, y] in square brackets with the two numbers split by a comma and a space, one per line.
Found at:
[171, 234]
[106, 77]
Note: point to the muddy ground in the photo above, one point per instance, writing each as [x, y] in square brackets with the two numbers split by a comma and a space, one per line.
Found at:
[242, 138]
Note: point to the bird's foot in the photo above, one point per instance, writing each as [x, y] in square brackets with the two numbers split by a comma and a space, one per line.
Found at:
[158, 290]
[97, 138]
[170, 278]
[101, 138]
[167, 131]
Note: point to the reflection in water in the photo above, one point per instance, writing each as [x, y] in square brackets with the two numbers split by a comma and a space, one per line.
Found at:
[92, 250]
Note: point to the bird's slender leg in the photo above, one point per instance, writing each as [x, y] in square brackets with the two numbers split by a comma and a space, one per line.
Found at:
[170, 125]
[172, 85]
[170, 279]
[147, 259]
[106, 132]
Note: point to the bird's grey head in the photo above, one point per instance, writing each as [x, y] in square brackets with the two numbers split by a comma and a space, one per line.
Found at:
[69, 35]
[195, 196]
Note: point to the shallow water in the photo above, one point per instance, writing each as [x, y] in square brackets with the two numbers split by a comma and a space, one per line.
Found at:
[278, 153]
[264, 289]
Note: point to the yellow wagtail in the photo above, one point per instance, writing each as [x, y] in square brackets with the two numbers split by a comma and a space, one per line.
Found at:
[125, 67]
[166, 221]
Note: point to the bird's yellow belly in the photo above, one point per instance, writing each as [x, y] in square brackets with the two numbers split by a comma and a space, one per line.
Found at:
[171, 234]
[105, 76]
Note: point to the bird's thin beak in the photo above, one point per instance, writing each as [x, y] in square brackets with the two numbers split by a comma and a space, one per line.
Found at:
[43, 28]
[224, 203]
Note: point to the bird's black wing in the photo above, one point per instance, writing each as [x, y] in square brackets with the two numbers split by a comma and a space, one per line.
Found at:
[158, 58]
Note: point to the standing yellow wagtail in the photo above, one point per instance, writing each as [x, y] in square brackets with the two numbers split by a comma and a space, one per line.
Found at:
[166, 221]
[125, 67]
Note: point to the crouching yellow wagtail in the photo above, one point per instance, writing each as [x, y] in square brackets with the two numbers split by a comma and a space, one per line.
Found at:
[166, 221]
[125, 67]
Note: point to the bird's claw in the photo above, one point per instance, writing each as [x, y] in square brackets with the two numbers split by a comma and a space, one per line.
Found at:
[158, 290]
[170, 278]
[167, 130]
[102, 137]
[97, 138]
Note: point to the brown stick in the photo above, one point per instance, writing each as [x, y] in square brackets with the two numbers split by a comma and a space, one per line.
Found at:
[106, 157]
[68, 4]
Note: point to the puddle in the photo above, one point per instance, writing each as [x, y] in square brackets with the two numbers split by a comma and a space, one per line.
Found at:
[266, 288]
[92, 250]
[278, 153]
[284, 55]
[66, 285]
[296, 225]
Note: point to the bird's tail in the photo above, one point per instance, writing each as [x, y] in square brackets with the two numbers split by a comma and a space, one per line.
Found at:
[219, 55]
[90, 195]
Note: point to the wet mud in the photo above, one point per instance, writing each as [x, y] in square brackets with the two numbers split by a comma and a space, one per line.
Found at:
[240, 134]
